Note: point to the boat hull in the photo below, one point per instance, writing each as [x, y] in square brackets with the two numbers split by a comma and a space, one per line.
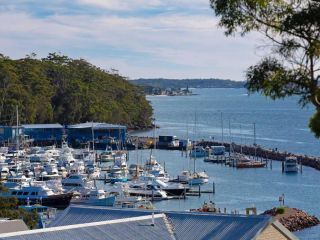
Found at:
[58, 201]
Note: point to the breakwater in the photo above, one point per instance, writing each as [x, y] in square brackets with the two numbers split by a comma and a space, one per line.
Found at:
[250, 150]
[293, 219]
[271, 154]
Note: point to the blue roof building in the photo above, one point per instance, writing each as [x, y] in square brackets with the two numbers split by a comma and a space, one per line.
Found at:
[44, 132]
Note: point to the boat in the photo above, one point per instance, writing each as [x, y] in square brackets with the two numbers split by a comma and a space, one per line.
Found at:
[243, 161]
[95, 197]
[146, 190]
[206, 207]
[197, 152]
[216, 154]
[40, 194]
[107, 155]
[77, 182]
[46, 214]
[195, 178]
[291, 165]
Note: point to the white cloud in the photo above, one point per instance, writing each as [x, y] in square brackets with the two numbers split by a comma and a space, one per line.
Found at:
[164, 45]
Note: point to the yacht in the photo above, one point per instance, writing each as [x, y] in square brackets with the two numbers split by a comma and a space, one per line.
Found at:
[77, 182]
[146, 190]
[291, 165]
[96, 197]
[38, 194]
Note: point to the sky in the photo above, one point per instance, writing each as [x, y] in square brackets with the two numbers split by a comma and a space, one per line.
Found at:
[140, 38]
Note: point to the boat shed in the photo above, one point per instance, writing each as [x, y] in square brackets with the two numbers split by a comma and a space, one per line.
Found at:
[8, 133]
[102, 133]
[92, 222]
[44, 133]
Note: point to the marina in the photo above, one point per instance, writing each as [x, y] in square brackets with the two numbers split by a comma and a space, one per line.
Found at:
[177, 175]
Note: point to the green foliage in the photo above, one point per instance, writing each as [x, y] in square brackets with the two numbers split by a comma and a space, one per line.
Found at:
[60, 89]
[293, 29]
[9, 209]
[280, 210]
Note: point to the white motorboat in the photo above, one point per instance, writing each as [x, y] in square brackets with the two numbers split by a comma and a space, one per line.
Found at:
[291, 165]
[77, 183]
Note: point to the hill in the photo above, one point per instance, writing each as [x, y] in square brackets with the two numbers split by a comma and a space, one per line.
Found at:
[64, 90]
[191, 83]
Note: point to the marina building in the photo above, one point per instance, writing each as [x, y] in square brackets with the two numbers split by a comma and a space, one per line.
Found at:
[77, 135]
[43, 133]
[102, 133]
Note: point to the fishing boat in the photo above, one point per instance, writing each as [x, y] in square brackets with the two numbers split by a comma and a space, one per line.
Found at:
[291, 164]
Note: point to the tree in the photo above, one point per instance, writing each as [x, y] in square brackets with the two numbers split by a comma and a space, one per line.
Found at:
[293, 29]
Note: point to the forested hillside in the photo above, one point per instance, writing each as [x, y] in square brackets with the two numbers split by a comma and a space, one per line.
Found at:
[64, 90]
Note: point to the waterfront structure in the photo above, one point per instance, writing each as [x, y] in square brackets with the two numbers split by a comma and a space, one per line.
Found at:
[93, 222]
[44, 133]
[102, 133]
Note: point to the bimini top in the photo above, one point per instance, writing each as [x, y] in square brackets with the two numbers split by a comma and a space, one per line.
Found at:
[39, 126]
[96, 125]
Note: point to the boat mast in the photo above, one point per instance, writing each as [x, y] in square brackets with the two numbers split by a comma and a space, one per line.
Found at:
[254, 140]
[17, 128]
[195, 136]
[221, 128]
[92, 134]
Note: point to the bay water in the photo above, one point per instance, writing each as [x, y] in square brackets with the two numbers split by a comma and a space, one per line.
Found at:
[279, 124]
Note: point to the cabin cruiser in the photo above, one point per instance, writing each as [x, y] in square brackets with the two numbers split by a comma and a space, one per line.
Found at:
[216, 154]
[107, 155]
[195, 178]
[146, 190]
[4, 172]
[77, 182]
[197, 152]
[38, 194]
[96, 197]
[291, 165]
[172, 189]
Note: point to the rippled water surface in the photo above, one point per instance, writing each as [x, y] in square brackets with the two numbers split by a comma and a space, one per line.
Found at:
[279, 124]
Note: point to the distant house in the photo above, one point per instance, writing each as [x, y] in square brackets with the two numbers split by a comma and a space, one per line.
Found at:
[88, 222]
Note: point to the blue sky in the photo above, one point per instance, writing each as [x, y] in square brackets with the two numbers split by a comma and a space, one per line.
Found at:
[140, 38]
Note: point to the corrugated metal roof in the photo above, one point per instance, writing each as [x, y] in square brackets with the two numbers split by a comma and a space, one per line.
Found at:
[141, 229]
[51, 125]
[212, 226]
[96, 125]
[185, 225]
[76, 214]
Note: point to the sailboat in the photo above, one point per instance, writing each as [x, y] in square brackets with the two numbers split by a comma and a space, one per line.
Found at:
[194, 178]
